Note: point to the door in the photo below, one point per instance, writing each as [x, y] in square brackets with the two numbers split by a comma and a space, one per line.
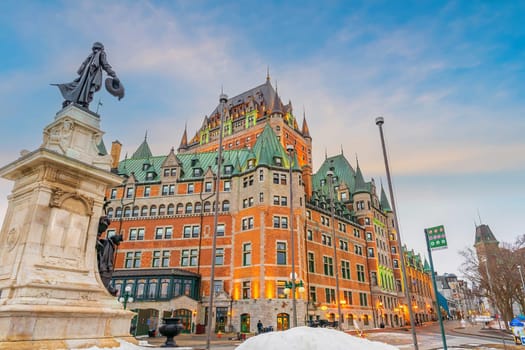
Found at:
[245, 323]
[283, 322]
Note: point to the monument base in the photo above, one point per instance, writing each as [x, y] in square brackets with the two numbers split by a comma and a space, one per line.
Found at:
[34, 327]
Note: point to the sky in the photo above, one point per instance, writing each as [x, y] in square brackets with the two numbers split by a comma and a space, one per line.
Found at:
[448, 77]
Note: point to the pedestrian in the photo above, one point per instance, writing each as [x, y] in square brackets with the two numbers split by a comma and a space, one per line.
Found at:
[259, 327]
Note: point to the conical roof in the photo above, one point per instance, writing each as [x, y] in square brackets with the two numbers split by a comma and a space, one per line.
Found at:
[360, 184]
[143, 151]
[384, 201]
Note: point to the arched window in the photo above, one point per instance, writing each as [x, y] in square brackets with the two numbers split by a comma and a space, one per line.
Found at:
[127, 212]
[180, 207]
[135, 211]
[162, 209]
[198, 207]
[189, 208]
[171, 209]
[153, 210]
[207, 207]
[144, 210]
[226, 206]
[110, 213]
[118, 212]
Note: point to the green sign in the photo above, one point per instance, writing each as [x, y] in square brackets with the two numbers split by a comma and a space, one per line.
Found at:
[436, 237]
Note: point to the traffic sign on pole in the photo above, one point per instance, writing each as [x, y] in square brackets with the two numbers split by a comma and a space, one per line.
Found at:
[436, 237]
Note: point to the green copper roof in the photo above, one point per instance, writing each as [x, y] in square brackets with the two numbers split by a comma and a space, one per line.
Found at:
[385, 205]
[426, 266]
[268, 150]
[143, 151]
[343, 173]
[360, 185]
[102, 151]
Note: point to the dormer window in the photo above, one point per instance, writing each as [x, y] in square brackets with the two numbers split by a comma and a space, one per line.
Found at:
[146, 166]
[278, 161]
[197, 172]
[228, 169]
[251, 163]
[194, 162]
[150, 175]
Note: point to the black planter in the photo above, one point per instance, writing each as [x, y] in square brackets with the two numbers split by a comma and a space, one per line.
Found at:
[170, 328]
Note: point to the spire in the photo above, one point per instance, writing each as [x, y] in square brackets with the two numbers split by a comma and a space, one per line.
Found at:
[268, 73]
[305, 130]
[184, 140]
[342, 152]
[384, 201]
[360, 184]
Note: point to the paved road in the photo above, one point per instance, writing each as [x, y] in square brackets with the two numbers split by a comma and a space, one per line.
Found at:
[429, 338]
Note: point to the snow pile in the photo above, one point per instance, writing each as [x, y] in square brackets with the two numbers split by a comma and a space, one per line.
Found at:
[124, 345]
[307, 338]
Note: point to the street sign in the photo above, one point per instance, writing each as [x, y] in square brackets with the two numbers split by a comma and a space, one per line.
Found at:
[436, 237]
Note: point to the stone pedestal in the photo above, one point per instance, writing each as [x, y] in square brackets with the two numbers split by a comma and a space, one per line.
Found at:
[51, 296]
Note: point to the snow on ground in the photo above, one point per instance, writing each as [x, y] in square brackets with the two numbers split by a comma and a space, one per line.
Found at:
[307, 338]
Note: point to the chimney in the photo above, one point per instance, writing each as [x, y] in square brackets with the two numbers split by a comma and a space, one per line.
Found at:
[116, 148]
[307, 180]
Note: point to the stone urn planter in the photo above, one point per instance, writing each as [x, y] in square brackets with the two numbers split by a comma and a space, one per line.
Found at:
[171, 327]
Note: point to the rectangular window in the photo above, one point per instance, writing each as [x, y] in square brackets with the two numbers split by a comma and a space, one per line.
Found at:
[345, 269]
[371, 252]
[128, 262]
[347, 295]
[369, 236]
[159, 232]
[358, 250]
[219, 256]
[281, 253]
[168, 232]
[246, 254]
[309, 235]
[166, 172]
[276, 178]
[140, 234]
[165, 258]
[186, 233]
[136, 259]
[171, 190]
[329, 295]
[208, 187]
[227, 186]
[165, 190]
[261, 197]
[281, 285]
[363, 299]
[284, 201]
[147, 191]
[311, 262]
[275, 200]
[246, 289]
[247, 223]
[195, 231]
[326, 239]
[343, 245]
[328, 265]
[220, 230]
[360, 273]
[283, 179]
[191, 188]
[313, 294]
[113, 194]
[129, 192]
[156, 259]
[132, 234]
[189, 257]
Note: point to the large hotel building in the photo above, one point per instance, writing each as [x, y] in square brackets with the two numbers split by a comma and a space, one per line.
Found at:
[165, 210]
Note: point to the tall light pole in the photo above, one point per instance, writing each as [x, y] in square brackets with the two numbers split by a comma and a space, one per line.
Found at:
[222, 99]
[290, 150]
[379, 122]
[522, 283]
[330, 175]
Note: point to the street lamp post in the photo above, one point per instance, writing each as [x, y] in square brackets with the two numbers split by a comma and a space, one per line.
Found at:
[126, 297]
[379, 122]
[330, 175]
[522, 283]
[223, 99]
[290, 150]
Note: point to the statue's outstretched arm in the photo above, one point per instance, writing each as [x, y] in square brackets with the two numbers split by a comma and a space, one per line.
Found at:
[106, 66]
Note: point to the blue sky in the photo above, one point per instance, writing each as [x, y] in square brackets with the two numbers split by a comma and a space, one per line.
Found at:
[448, 77]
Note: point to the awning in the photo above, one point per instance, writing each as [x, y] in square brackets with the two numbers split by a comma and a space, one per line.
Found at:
[442, 302]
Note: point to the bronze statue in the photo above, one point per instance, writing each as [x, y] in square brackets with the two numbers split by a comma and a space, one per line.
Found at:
[81, 90]
[106, 249]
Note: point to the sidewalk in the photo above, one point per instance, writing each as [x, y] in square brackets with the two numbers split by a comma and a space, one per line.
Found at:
[197, 341]
[480, 330]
